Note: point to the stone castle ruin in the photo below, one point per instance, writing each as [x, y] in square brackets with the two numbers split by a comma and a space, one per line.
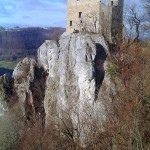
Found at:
[95, 17]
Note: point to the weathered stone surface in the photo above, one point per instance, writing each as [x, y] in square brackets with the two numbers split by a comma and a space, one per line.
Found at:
[6, 92]
[76, 72]
[65, 82]
[29, 82]
[23, 74]
[94, 16]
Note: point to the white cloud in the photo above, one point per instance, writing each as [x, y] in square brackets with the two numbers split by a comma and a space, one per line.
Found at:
[37, 12]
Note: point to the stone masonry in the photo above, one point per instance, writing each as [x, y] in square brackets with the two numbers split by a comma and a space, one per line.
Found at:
[95, 17]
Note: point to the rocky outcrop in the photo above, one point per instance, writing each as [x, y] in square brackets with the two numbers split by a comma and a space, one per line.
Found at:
[23, 74]
[7, 94]
[65, 82]
[29, 83]
[76, 70]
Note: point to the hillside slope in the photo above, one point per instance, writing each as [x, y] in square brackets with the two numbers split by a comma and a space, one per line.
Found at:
[18, 43]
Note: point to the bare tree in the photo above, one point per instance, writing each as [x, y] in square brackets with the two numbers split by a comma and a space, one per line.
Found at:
[88, 23]
[136, 21]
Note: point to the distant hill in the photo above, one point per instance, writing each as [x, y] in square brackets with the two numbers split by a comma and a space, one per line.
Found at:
[16, 43]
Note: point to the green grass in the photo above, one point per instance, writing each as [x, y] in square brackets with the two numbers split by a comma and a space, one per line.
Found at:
[112, 70]
[8, 64]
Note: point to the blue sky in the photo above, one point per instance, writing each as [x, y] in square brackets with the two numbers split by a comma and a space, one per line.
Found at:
[33, 13]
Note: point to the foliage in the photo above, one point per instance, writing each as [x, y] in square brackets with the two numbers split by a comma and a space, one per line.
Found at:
[11, 128]
[112, 70]
[130, 108]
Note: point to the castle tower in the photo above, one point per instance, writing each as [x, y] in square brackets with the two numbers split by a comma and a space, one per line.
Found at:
[95, 17]
[115, 8]
[115, 2]
[83, 15]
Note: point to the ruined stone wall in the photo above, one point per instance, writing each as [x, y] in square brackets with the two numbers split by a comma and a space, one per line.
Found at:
[95, 17]
[110, 2]
[106, 21]
[114, 13]
[86, 7]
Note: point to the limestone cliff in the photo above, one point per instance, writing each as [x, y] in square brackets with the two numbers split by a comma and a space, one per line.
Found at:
[66, 79]
[76, 70]
[29, 84]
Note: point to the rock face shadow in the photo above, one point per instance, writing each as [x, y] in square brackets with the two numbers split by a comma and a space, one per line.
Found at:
[99, 67]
